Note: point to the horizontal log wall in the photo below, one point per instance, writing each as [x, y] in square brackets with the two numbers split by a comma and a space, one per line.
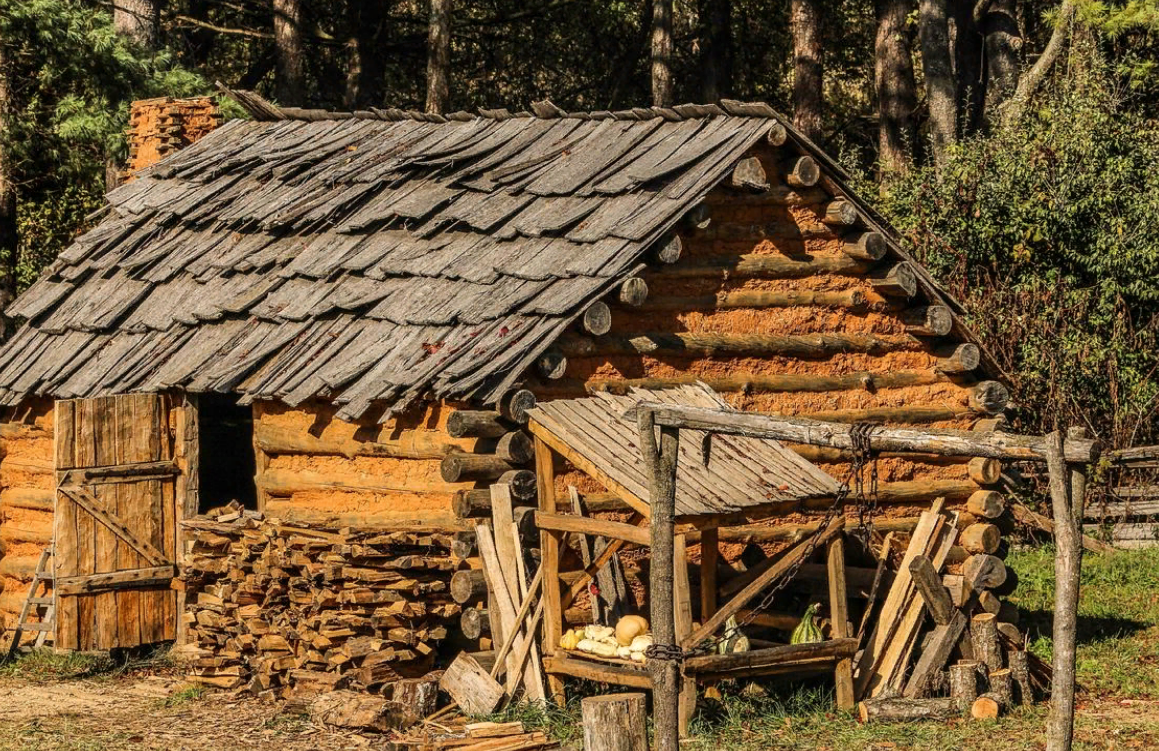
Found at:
[26, 502]
[314, 467]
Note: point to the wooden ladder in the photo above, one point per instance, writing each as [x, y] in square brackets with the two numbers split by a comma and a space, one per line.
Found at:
[39, 604]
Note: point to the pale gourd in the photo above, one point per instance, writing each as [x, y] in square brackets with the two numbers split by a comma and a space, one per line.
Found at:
[641, 643]
[594, 647]
[629, 627]
[597, 632]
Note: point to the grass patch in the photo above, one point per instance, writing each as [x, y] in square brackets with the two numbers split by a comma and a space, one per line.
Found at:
[45, 665]
[1118, 626]
[184, 696]
[1118, 657]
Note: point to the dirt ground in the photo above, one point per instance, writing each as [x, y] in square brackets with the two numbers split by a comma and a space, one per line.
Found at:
[156, 712]
[152, 713]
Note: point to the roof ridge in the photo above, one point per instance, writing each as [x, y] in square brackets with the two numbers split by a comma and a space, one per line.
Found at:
[263, 110]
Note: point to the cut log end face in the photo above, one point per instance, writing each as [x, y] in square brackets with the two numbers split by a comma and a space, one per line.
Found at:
[552, 364]
[749, 174]
[985, 707]
[803, 172]
[669, 250]
[841, 213]
[515, 405]
[989, 397]
[597, 319]
[868, 246]
[777, 135]
[634, 291]
[898, 281]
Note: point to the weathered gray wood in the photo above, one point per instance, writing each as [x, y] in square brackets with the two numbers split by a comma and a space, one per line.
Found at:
[801, 172]
[749, 174]
[984, 635]
[470, 686]
[552, 364]
[932, 320]
[840, 213]
[908, 710]
[933, 592]
[989, 397]
[965, 358]
[964, 682]
[935, 653]
[466, 423]
[633, 291]
[885, 438]
[516, 404]
[898, 280]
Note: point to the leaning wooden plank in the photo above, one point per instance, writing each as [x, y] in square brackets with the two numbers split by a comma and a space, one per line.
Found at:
[508, 643]
[535, 689]
[935, 654]
[585, 546]
[502, 595]
[904, 639]
[470, 686]
[778, 569]
[894, 601]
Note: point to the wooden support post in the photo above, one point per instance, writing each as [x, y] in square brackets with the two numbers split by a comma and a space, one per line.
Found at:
[661, 461]
[839, 618]
[549, 553]
[709, 557]
[1067, 568]
[682, 602]
[615, 722]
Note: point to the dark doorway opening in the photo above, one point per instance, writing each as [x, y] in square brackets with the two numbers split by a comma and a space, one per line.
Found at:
[226, 462]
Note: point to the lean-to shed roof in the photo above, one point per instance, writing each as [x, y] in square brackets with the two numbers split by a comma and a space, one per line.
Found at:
[371, 257]
[731, 474]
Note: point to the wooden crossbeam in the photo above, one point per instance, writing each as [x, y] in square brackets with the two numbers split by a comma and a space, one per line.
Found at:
[137, 577]
[994, 445]
[90, 504]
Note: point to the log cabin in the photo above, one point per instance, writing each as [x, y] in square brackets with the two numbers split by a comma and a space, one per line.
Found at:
[345, 318]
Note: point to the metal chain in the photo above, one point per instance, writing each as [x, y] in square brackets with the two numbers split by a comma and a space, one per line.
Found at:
[853, 483]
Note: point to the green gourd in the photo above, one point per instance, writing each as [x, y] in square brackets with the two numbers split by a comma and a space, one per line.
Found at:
[807, 631]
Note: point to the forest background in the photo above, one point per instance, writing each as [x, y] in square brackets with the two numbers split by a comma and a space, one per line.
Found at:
[1013, 143]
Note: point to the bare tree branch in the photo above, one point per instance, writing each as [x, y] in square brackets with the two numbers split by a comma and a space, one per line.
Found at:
[1031, 81]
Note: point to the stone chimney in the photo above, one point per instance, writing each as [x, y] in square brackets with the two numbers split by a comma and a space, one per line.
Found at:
[158, 127]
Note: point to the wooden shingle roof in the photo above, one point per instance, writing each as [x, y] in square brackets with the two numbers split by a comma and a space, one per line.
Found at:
[734, 475]
[372, 257]
[364, 259]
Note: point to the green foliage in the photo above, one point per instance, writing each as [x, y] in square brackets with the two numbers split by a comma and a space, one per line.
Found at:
[1047, 233]
[71, 81]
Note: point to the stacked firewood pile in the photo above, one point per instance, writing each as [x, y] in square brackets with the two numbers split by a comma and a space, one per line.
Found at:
[296, 609]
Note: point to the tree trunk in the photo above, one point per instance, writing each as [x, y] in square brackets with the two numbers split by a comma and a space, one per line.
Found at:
[1032, 79]
[138, 21]
[365, 80]
[1067, 573]
[290, 83]
[8, 228]
[439, 57]
[805, 23]
[1002, 46]
[966, 42]
[662, 53]
[893, 71]
[715, 18]
[933, 29]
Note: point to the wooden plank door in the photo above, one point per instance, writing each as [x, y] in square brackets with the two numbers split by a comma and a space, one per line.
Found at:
[115, 526]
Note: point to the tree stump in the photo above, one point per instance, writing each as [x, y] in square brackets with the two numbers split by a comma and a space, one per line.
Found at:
[984, 634]
[615, 722]
[964, 682]
[1019, 662]
[1002, 687]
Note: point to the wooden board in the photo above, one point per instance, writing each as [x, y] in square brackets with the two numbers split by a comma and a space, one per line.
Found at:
[115, 526]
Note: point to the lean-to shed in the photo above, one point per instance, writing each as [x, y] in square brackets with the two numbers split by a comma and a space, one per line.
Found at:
[347, 316]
